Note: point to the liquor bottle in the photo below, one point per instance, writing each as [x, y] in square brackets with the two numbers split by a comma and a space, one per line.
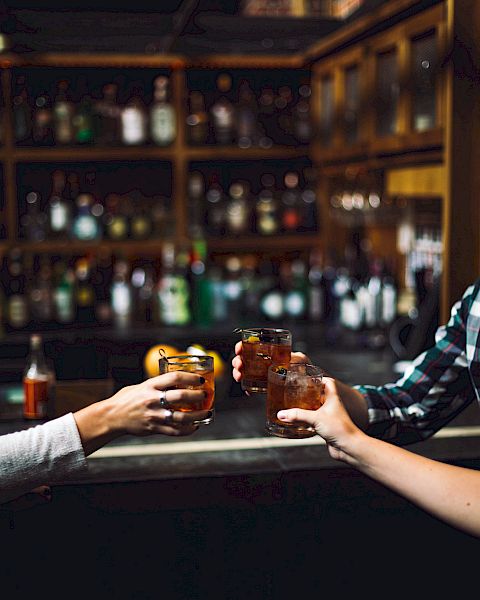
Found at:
[160, 215]
[140, 221]
[172, 291]
[246, 117]
[59, 209]
[272, 300]
[302, 127]
[63, 113]
[115, 221]
[42, 121]
[37, 380]
[143, 286]
[291, 216]
[316, 291]
[232, 288]
[308, 202]
[102, 275]
[22, 112]
[238, 210]
[163, 124]
[283, 106]
[223, 113]
[134, 120]
[63, 293]
[121, 294]
[266, 116]
[196, 204]
[34, 222]
[85, 226]
[83, 121]
[295, 294]
[84, 291]
[197, 120]
[17, 314]
[107, 117]
[41, 292]
[266, 207]
[215, 207]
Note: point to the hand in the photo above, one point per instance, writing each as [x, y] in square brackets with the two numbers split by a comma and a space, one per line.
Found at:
[331, 421]
[237, 361]
[136, 410]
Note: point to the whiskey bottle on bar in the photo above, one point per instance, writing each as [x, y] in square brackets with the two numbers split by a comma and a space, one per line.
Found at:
[36, 381]
[59, 209]
[63, 113]
[197, 120]
[223, 113]
[163, 124]
[134, 120]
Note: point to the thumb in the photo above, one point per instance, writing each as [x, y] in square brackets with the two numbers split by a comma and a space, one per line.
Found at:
[297, 414]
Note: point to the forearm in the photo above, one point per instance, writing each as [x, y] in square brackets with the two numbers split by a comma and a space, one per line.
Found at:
[450, 493]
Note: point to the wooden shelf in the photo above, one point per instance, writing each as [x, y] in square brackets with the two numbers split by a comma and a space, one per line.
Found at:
[235, 153]
[74, 246]
[91, 153]
[258, 243]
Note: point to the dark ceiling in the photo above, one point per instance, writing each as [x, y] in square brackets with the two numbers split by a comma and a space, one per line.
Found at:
[185, 27]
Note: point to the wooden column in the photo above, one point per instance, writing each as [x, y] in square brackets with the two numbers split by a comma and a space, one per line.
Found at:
[462, 144]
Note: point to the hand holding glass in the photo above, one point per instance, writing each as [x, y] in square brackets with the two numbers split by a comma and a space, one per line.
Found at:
[202, 366]
[294, 385]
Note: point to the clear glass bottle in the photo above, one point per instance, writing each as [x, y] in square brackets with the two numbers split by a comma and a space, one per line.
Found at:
[36, 381]
[63, 293]
[85, 225]
[163, 123]
[59, 213]
[63, 113]
[223, 113]
[121, 294]
[238, 210]
[134, 120]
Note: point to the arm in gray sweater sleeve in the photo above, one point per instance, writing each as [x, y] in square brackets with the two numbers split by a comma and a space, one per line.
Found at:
[45, 454]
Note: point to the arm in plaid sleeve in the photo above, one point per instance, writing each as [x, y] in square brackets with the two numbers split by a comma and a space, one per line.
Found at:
[435, 388]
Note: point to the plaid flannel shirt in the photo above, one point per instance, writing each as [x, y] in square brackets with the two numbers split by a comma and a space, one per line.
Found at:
[439, 383]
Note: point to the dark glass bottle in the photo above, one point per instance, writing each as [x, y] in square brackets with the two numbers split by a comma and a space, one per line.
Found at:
[215, 207]
[197, 120]
[22, 111]
[42, 125]
[107, 117]
[63, 113]
[17, 313]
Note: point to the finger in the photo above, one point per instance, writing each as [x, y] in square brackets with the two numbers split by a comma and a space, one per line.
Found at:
[293, 415]
[237, 363]
[299, 357]
[175, 378]
[183, 398]
[238, 347]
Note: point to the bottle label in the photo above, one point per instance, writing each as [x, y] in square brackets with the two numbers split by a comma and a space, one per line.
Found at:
[58, 217]
[163, 125]
[17, 310]
[133, 126]
[35, 395]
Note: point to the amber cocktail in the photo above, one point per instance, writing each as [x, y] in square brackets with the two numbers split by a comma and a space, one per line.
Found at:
[200, 365]
[293, 385]
[263, 347]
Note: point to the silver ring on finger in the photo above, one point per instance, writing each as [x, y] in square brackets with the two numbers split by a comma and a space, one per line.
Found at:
[162, 398]
[168, 417]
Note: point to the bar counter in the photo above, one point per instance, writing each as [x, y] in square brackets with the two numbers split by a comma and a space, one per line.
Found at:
[231, 512]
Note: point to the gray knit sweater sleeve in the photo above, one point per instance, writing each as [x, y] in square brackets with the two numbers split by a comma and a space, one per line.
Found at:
[45, 454]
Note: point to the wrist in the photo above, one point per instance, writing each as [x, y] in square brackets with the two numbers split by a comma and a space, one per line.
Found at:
[97, 425]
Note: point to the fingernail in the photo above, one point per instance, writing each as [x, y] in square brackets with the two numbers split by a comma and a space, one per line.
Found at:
[281, 415]
[202, 380]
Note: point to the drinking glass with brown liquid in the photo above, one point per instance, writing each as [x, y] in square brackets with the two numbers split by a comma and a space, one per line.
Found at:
[200, 365]
[293, 385]
[262, 347]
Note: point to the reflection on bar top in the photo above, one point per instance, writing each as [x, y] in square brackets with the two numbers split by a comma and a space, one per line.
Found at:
[254, 443]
